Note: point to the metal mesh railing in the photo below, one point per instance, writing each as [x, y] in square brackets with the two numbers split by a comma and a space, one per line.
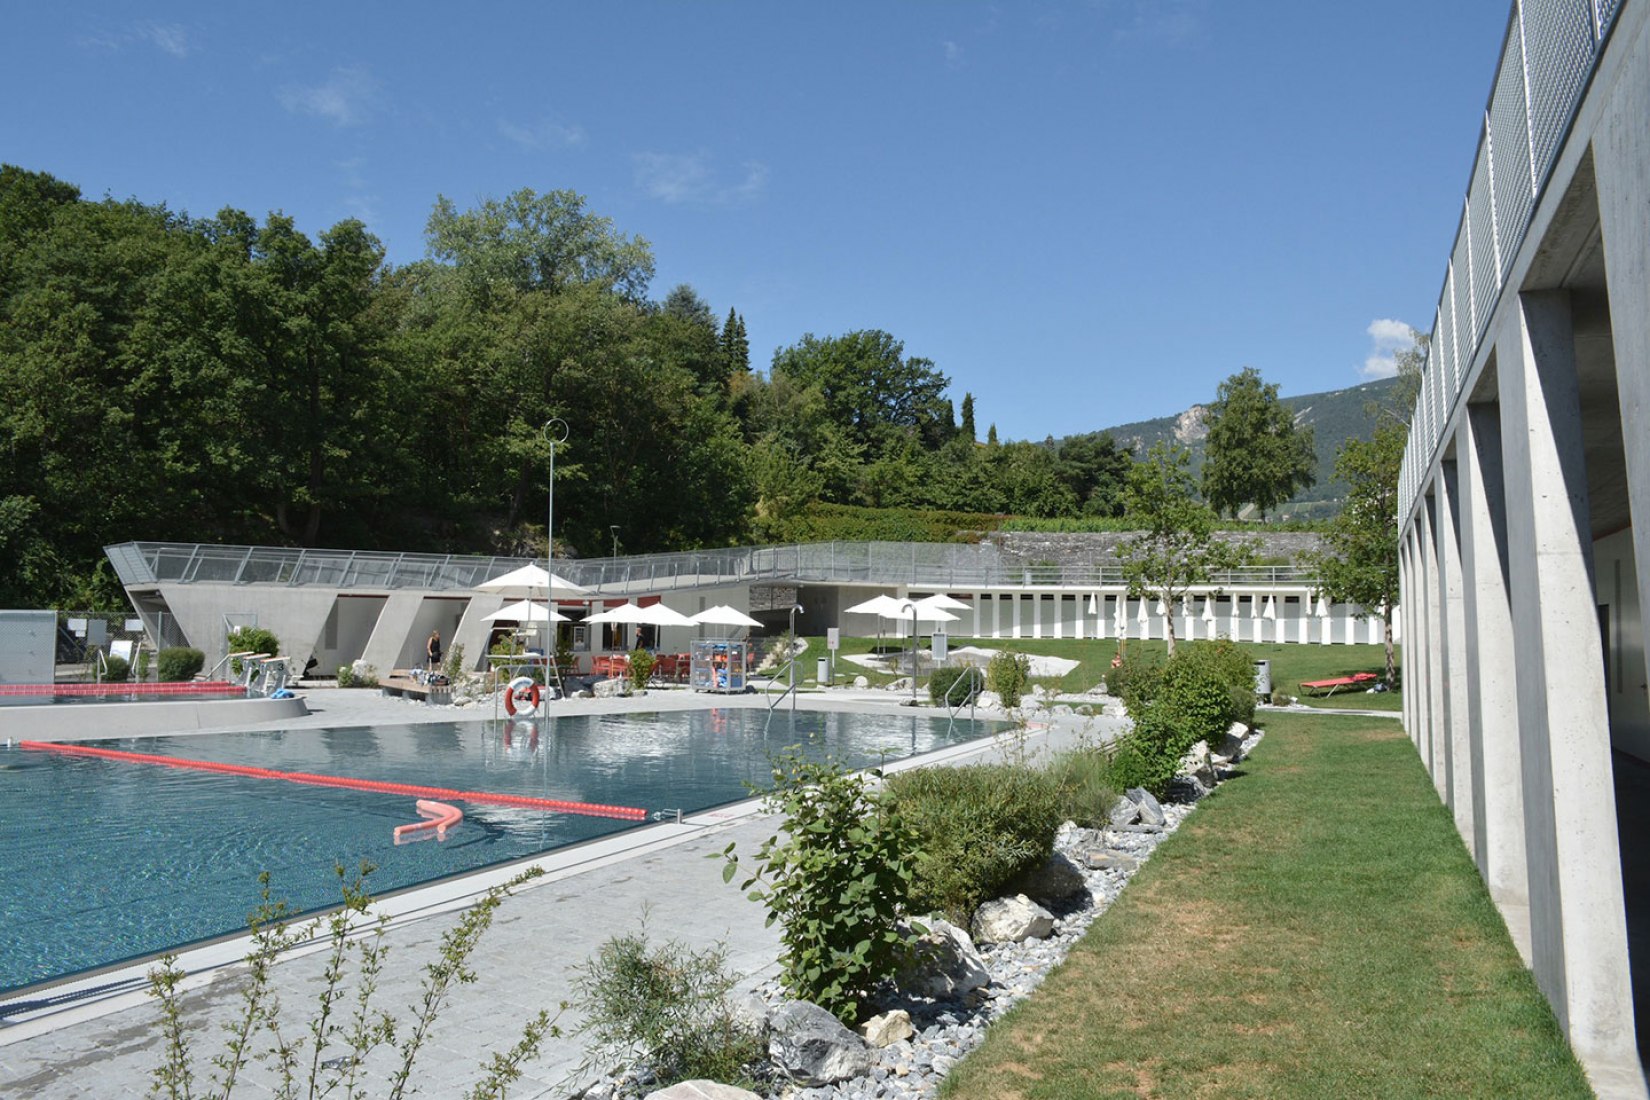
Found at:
[938, 566]
[1547, 58]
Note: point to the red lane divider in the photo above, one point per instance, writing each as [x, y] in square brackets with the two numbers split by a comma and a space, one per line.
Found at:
[490, 798]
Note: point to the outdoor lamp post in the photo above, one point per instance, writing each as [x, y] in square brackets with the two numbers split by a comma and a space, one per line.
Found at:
[615, 529]
[554, 432]
[795, 607]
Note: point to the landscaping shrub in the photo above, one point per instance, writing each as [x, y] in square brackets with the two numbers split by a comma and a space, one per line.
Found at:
[116, 670]
[253, 638]
[1136, 678]
[641, 667]
[978, 827]
[349, 678]
[666, 1007]
[943, 689]
[1083, 782]
[179, 662]
[1007, 675]
[1196, 697]
[1229, 663]
[835, 877]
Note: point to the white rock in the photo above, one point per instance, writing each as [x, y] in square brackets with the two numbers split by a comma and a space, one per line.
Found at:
[887, 1028]
[947, 965]
[702, 1090]
[1012, 920]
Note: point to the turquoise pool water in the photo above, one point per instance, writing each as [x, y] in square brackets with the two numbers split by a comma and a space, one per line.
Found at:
[102, 861]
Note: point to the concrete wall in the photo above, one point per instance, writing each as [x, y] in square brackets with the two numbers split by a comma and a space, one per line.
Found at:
[1524, 559]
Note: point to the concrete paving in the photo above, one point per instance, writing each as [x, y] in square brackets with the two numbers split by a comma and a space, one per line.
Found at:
[100, 1036]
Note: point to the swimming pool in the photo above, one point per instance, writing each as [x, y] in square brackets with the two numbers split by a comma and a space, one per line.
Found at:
[106, 860]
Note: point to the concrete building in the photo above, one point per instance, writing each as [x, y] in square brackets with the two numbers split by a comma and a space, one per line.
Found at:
[1528, 461]
[340, 606]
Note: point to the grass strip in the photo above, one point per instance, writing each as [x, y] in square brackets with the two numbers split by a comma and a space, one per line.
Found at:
[1291, 663]
[1315, 929]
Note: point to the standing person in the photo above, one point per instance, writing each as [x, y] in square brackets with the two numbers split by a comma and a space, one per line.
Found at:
[432, 650]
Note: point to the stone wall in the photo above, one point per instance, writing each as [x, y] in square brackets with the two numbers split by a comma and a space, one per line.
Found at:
[1027, 548]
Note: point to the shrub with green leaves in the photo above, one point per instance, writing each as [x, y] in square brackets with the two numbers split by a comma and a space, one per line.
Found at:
[835, 878]
[177, 663]
[1201, 691]
[1007, 674]
[349, 678]
[955, 687]
[254, 639]
[1230, 664]
[454, 668]
[116, 670]
[641, 667]
[978, 827]
[1135, 679]
[666, 1007]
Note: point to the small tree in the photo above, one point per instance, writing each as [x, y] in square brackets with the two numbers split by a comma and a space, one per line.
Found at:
[1360, 561]
[1255, 452]
[835, 879]
[1177, 548]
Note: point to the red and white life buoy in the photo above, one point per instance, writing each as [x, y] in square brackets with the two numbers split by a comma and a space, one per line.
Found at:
[521, 694]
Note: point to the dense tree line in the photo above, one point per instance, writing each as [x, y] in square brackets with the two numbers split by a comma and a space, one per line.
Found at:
[169, 377]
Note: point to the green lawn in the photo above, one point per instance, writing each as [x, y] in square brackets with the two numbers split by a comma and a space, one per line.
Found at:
[1315, 929]
[1290, 663]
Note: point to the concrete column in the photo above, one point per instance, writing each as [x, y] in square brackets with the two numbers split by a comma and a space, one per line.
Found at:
[1621, 165]
[1577, 914]
[1432, 600]
[1457, 722]
[1492, 691]
[1014, 607]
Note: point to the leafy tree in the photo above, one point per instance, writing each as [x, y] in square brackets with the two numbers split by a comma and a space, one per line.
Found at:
[1028, 480]
[1360, 564]
[1095, 469]
[529, 241]
[870, 388]
[1255, 452]
[1177, 548]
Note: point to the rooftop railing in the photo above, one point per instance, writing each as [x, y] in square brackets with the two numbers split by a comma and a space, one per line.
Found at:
[1548, 57]
[888, 564]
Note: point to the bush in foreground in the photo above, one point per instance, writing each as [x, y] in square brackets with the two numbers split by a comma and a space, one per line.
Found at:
[978, 827]
[836, 878]
[667, 1007]
[944, 689]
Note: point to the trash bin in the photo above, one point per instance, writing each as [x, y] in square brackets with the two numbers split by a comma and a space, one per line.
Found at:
[1263, 679]
[823, 675]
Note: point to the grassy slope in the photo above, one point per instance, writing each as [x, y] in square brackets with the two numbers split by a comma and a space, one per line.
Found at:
[1315, 929]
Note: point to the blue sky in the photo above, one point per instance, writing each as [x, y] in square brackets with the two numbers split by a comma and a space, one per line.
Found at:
[1083, 213]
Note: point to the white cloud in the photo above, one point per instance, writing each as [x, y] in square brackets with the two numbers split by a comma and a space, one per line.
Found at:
[348, 97]
[548, 134]
[359, 202]
[1387, 338]
[1173, 22]
[169, 37]
[692, 178]
[953, 54]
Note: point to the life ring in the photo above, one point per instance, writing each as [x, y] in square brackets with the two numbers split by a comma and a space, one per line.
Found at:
[521, 693]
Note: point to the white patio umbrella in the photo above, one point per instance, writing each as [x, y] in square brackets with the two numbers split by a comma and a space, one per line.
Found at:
[879, 606]
[943, 602]
[654, 614]
[526, 611]
[923, 614]
[876, 605]
[534, 580]
[723, 615]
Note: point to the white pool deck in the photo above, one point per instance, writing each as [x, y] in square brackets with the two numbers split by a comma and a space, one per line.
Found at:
[100, 1035]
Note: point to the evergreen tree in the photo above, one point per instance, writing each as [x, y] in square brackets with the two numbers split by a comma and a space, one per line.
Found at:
[991, 436]
[736, 350]
[968, 417]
